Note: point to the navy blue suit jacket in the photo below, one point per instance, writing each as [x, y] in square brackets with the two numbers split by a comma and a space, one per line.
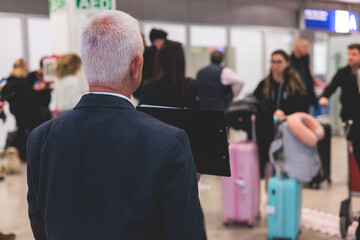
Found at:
[107, 171]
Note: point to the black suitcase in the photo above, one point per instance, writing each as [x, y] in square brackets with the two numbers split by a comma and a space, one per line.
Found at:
[324, 149]
[11, 139]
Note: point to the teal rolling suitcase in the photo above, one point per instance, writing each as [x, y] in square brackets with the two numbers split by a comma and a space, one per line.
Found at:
[284, 208]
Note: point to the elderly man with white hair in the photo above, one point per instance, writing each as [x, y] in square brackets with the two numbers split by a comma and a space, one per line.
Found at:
[105, 170]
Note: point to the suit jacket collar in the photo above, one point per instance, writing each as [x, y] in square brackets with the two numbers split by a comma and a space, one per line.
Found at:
[103, 101]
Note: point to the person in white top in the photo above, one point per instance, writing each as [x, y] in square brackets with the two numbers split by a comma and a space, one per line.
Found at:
[229, 77]
[68, 88]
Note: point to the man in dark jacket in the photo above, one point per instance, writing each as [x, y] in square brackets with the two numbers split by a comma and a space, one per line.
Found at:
[347, 79]
[300, 62]
[105, 170]
[217, 85]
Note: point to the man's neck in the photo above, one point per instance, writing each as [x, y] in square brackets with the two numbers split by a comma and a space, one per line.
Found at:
[355, 67]
[297, 54]
[94, 88]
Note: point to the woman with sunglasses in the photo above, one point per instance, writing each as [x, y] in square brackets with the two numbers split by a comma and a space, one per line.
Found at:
[282, 92]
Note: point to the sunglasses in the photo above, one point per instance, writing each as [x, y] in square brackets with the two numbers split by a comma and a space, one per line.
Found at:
[276, 62]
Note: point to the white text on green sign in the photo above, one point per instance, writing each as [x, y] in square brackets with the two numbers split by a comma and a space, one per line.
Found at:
[94, 4]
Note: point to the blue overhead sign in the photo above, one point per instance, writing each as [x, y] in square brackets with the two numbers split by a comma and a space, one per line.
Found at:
[331, 20]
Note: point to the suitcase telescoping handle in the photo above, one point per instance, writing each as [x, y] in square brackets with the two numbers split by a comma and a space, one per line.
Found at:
[324, 115]
[324, 110]
[241, 183]
[253, 128]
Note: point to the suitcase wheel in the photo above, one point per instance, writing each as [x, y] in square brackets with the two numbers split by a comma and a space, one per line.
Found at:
[329, 181]
[315, 185]
[226, 222]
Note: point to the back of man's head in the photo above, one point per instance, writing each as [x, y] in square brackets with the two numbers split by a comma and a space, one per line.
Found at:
[354, 46]
[157, 34]
[110, 41]
[216, 57]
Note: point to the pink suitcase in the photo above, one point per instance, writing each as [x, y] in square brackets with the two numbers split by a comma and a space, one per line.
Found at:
[241, 191]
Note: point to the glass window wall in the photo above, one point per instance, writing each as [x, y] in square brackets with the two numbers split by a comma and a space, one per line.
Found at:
[39, 36]
[203, 41]
[246, 57]
[275, 40]
[320, 55]
[11, 43]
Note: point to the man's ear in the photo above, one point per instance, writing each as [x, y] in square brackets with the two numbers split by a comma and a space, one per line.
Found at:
[136, 68]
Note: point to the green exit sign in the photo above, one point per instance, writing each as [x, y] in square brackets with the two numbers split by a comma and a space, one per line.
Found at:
[56, 5]
[94, 4]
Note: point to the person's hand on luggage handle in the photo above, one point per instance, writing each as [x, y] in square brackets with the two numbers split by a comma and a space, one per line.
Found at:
[280, 114]
[324, 101]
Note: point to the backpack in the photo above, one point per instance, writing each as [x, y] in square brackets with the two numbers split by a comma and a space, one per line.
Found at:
[292, 158]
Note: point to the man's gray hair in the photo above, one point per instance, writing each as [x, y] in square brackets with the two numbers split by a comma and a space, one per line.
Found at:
[110, 41]
[299, 40]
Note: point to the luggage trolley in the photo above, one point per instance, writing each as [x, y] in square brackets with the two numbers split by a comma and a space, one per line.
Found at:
[346, 214]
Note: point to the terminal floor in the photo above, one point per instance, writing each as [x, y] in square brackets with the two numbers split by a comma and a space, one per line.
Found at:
[13, 206]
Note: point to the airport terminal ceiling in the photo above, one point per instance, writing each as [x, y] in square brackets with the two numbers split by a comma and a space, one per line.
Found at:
[281, 13]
